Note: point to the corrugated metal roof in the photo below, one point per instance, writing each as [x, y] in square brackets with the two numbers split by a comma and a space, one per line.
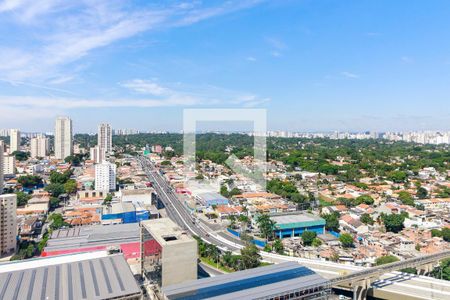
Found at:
[298, 220]
[98, 278]
[248, 284]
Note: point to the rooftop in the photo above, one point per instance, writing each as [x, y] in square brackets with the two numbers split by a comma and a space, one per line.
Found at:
[249, 284]
[95, 235]
[80, 276]
[166, 231]
[298, 218]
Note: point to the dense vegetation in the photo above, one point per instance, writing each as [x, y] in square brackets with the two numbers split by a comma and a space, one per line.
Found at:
[389, 160]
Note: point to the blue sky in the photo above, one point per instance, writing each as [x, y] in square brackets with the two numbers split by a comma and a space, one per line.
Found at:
[314, 65]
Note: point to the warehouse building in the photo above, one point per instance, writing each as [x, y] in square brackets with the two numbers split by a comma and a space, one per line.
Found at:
[123, 238]
[124, 212]
[287, 280]
[209, 199]
[290, 225]
[79, 276]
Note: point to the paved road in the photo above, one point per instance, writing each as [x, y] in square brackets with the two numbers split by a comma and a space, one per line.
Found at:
[177, 211]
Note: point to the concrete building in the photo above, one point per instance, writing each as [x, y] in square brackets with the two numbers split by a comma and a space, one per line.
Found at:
[169, 254]
[2, 149]
[39, 146]
[63, 137]
[124, 212]
[9, 164]
[287, 280]
[14, 140]
[104, 137]
[8, 224]
[290, 225]
[97, 154]
[105, 176]
[94, 275]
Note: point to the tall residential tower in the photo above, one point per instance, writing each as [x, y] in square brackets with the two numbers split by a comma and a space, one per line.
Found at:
[105, 137]
[14, 140]
[39, 146]
[2, 149]
[63, 137]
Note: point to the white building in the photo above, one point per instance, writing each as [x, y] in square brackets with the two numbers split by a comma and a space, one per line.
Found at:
[8, 223]
[2, 149]
[9, 164]
[39, 146]
[97, 154]
[14, 140]
[63, 137]
[105, 176]
[104, 137]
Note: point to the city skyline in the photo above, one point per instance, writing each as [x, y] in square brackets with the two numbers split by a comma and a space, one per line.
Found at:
[138, 65]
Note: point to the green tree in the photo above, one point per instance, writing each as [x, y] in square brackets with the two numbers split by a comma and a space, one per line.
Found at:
[316, 242]
[446, 234]
[387, 259]
[266, 226]
[278, 246]
[57, 221]
[364, 199]
[21, 155]
[367, 219]
[422, 193]
[108, 200]
[30, 181]
[393, 222]
[22, 198]
[74, 160]
[61, 178]
[250, 257]
[55, 189]
[398, 176]
[54, 202]
[443, 271]
[308, 237]
[70, 187]
[346, 240]
[406, 198]
[436, 232]
[332, 221]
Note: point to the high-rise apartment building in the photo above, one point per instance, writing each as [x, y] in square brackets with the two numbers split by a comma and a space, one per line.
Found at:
[97, 154]
[9, 164]
[2, 149]
[39, 146]
[104, 137]
[63, 137]
[105, 176]
[8, 223]
[14, 140]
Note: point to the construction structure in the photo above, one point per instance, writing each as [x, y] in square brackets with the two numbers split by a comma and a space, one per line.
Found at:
[168, 253]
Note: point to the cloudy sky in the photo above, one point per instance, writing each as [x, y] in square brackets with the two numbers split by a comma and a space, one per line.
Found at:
[313, 64]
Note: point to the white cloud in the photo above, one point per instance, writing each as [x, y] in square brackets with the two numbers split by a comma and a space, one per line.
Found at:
[251, 58]
[275, 54]
[63, 32]
[276, 43]
[406, 59]
[350, 75]
[146, 87]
